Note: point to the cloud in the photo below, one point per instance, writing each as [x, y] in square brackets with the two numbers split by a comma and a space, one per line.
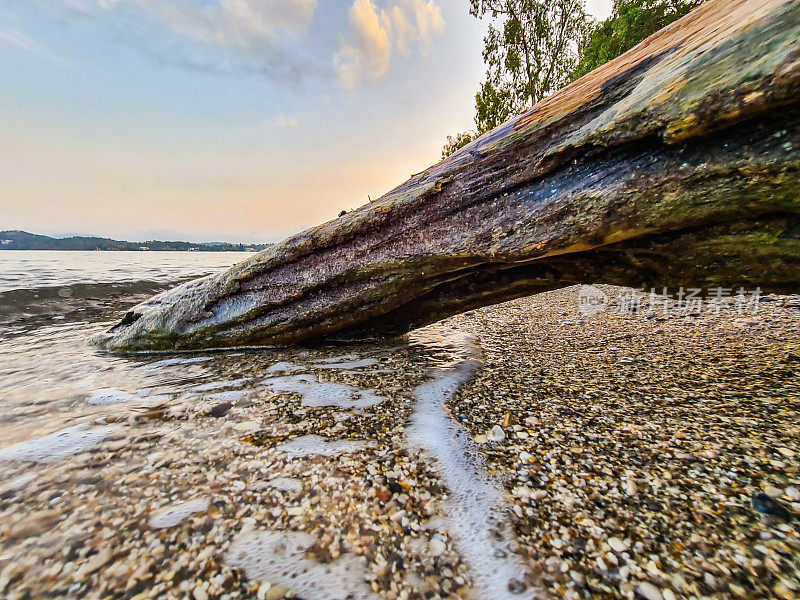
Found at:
[366, 52]
[369, 50]
[23, 42]
[243, 24]
[261, 37]
[425, 22]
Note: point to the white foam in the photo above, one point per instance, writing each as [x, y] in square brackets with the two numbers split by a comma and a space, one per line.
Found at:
[154, 366]
[317, 394]
[230, 396]
[475, 505]
[110, 396]
[315, 445]
[343, 357]
[352, 364]
[218, 385]
[172, 515]
[285, 367]
[279, 557]
[57, 445]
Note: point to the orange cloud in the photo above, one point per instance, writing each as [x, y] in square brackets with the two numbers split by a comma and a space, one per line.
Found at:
[367, 51]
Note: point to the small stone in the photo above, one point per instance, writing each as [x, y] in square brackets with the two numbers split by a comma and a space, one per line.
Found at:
[766, 505]
[709, 580]
[737, 590]
[496, 434]
[98, 560]
[436, 547]
[773, 492]
[199, 593]
[276, 592]
[648, 591]
[617, 545]
[782, 591]
[246, 426]
[220, 410]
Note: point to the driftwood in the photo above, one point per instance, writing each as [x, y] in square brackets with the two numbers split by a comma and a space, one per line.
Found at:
[677, 164]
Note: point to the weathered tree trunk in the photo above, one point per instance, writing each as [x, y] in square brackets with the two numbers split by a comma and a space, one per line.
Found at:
[676, 164]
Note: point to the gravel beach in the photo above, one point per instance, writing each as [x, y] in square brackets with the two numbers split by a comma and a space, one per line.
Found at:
[532, 449]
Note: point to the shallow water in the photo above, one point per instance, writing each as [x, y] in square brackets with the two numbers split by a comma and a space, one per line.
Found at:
[34, 269]
[64, 400]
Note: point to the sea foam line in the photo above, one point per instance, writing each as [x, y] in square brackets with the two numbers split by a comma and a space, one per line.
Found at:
[476, 504]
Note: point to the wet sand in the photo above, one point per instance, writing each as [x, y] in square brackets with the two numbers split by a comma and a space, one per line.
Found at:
[523, 450]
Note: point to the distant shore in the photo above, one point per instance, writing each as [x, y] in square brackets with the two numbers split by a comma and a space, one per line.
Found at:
[22, 240]
[205, 249]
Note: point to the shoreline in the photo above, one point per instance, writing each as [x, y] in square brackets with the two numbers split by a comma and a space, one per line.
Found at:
[625, 473]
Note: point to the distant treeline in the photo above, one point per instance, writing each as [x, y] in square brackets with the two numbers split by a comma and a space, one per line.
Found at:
[22, 240]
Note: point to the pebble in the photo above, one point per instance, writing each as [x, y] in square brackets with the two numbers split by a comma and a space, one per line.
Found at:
[247, 426]
[648, 591]
[198, 593]
[436, 547]
[773, 492]
[220, 410]
[98, 560]
[617, 545]
[496, 434]
[34, 524]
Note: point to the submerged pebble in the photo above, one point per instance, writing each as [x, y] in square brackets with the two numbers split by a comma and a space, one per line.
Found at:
[57, 445]
[170, 516]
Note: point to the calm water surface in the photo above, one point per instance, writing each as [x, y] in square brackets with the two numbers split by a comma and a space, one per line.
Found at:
[51, 304]
[33, 269]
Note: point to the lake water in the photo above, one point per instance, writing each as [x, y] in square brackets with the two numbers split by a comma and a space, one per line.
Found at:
[86, 437]
[33, 269]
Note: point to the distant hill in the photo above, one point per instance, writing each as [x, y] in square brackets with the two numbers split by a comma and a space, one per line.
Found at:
[22, 240]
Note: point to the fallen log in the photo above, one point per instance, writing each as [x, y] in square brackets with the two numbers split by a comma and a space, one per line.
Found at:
[677, 164]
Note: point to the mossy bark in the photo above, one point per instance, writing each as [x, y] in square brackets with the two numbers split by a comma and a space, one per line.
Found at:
[676, 164]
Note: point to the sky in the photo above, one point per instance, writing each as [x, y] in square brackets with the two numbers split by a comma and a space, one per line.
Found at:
[234, 120]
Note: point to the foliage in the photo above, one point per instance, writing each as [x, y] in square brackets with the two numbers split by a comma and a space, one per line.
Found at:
[530, 50]
[531, 53]
[631, 22]
[458, 141]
